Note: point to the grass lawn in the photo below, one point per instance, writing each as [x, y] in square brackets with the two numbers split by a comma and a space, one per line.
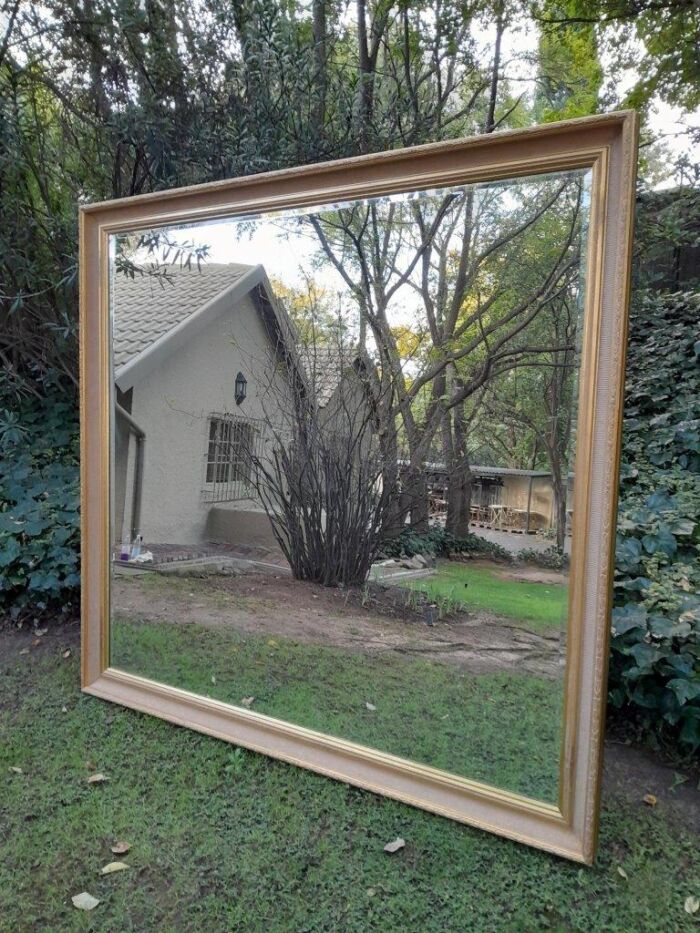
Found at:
[542, 605]
[226, 840]
[502, 728]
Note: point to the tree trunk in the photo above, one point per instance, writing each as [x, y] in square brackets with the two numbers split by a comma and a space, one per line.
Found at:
[559, 509]
[320, 78]
[490, 122]
[459, 500]
[414, 498]
[365, 88]
[459, 475]
[559, 493]
[394, 521]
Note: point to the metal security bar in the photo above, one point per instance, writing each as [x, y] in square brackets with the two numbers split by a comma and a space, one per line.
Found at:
[233, 445]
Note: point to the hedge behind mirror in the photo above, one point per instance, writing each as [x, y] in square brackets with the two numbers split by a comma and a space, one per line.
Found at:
[355, 449]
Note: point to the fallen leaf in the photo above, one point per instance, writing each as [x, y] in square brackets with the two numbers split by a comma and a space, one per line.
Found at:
[692, 905]
[394, 846]
[272, 643]
[98, 778]
[247, 702]
[678, 779]
[650, 799]
[371, 707]
[120, 848]
[84, 901]
[90, 765]
[111, 867]
[41, 631]
[24, 651]
[621, 872]
[66, 653]
[36, 642]
[15, 769]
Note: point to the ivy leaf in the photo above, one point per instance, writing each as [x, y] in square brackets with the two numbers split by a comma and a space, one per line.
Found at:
[662, 627]
[662, 541]
[683, 526]
[685, 690]
[628, 617]
[645, 655]
[628, 553]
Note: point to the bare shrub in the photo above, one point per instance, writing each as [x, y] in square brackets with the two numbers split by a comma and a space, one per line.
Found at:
[321, 475]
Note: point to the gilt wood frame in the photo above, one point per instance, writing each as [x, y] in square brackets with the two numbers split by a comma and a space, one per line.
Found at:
[606, 144]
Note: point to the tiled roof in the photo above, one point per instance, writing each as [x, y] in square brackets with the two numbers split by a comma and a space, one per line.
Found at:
[145, 309]
[325, 368]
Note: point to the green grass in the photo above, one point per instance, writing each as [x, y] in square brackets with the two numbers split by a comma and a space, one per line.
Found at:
[501, 728]
[226, 840]
[541, 605]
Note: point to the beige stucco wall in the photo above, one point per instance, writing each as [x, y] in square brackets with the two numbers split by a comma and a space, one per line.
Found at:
[172, 404]
[230, 522]
[515, 494]
[347, 413]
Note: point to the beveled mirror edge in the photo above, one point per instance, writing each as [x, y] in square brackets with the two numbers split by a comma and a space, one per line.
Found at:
[606, 143]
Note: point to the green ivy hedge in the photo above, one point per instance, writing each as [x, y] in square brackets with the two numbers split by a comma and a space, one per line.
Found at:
[655, 659]
[39, 507]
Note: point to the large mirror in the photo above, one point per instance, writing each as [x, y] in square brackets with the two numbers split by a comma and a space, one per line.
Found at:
[349, 446]
[343, 467]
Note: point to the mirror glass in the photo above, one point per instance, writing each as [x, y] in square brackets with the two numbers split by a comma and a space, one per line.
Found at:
[343, 463]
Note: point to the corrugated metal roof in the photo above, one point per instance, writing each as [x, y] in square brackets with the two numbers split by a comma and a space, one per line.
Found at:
[479, 470]
[145, 308]
[507, 471]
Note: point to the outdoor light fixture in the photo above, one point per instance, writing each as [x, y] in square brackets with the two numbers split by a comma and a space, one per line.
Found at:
[241, 385]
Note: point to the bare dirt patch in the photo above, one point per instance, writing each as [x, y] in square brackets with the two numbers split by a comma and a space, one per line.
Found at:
[369, 620]
[526, 574]
[22, 646]
[631, 773]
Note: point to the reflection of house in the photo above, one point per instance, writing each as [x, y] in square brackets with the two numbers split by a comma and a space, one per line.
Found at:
[521, 500]
[178, 350]
[201, 366]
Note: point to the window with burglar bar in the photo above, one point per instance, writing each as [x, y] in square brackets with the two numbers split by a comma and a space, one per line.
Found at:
[233, 443]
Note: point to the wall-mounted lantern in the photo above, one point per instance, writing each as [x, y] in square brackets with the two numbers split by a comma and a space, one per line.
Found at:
[241, 386]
